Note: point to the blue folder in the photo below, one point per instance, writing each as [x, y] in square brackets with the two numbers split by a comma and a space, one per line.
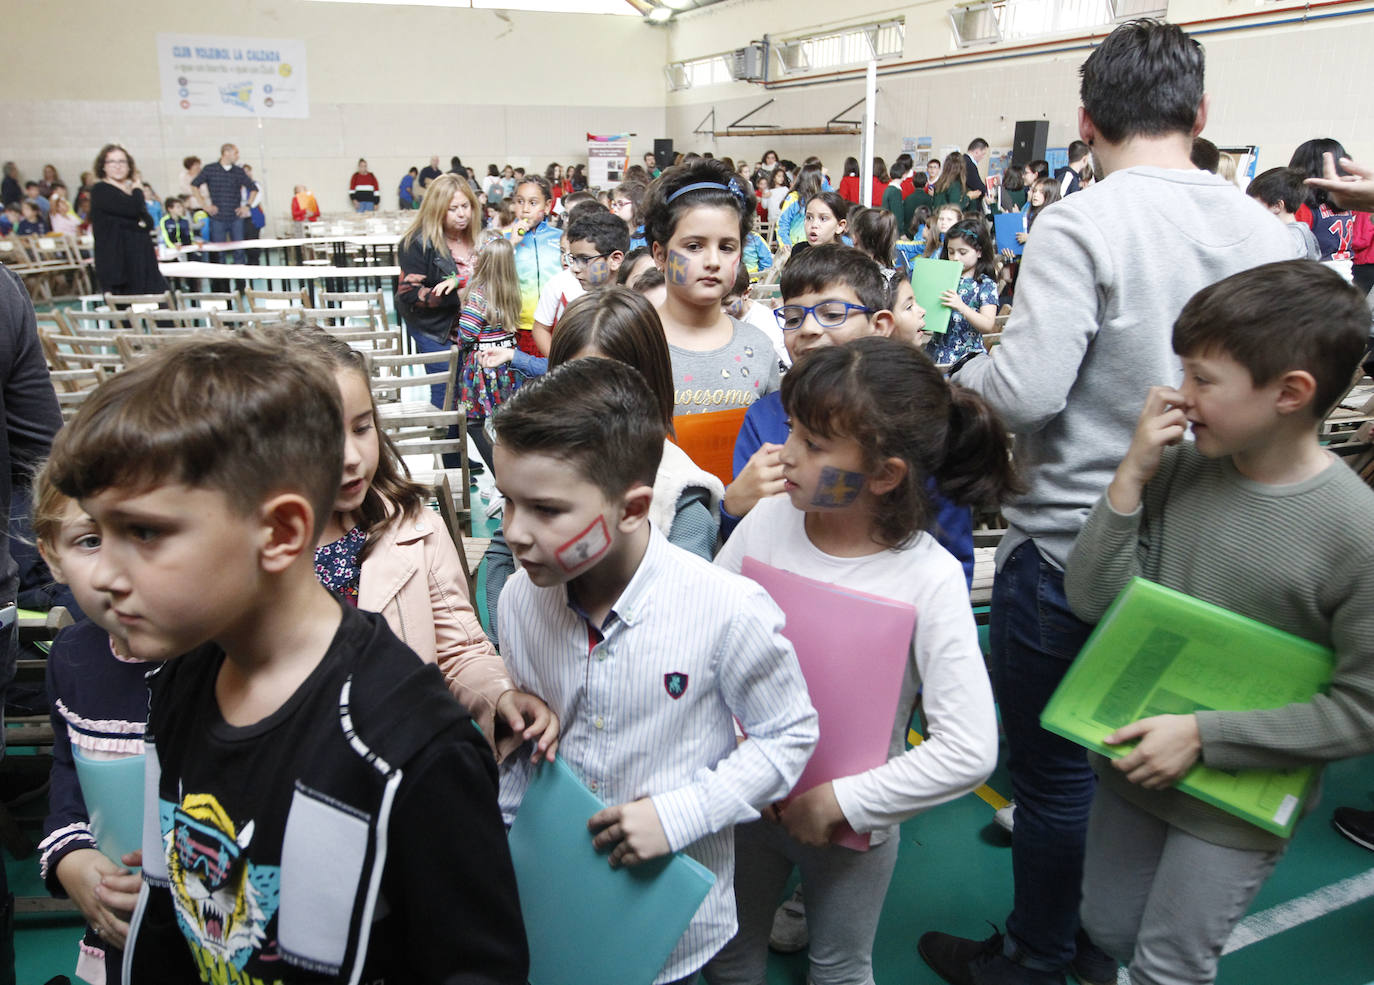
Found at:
[1008, 224]
[586, 922]
[113, 792]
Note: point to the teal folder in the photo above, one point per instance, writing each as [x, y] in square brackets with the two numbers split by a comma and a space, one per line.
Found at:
[589, 924]
[930, 278]
[1157, 652]
[113, 792]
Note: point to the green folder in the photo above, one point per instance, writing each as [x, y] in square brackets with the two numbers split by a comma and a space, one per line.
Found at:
[586, 922]
[1158, 651]
[931, 278]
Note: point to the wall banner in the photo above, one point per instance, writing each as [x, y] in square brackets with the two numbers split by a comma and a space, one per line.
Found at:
[219, 75]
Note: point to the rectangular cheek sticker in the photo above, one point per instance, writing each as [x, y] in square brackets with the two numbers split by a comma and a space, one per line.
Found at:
[586, 547]
[837, 487]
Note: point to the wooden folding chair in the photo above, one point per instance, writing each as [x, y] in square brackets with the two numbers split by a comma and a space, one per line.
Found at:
[73, 386]
[179, 322]
[336, 320]
[418, 431]
[356, 301]
[234, 321]
[210, 300]
[56, 256]
[275, 300]
[135, 347]
[140, 302]
[389, 376]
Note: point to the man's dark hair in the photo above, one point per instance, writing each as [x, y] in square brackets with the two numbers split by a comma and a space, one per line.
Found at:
[1077, 151]
[605, 230]
[815, 269]
[1279, 186]
[1290, 315]
[1205, 155]
[598, 415]
[977, 143]
[1144, 79]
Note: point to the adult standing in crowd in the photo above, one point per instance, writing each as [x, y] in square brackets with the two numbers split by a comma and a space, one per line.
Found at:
[363, 188]
[29, 419]
[975, 189]
[12, 188]
[125, 261]
[220, 188]
[427, 175]
[190, 167]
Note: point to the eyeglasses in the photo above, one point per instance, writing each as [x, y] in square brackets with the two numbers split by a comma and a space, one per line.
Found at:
[579, 262]
[621, 203]
[828, 314]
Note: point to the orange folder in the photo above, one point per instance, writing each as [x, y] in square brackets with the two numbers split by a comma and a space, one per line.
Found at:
[709, 440]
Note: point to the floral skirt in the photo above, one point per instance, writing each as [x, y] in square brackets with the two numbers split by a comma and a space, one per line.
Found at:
[483, 390]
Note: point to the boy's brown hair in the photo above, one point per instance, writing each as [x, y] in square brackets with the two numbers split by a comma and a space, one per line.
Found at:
[1290, 315]
[244, 417]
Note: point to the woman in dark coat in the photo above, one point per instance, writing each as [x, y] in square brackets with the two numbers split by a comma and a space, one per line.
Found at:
[125, 260]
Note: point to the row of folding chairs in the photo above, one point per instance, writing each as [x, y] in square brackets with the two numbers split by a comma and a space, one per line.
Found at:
[48, 262]
[248, 300]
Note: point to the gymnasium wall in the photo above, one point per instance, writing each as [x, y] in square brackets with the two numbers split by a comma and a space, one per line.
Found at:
[1273, 87]
[392, 84]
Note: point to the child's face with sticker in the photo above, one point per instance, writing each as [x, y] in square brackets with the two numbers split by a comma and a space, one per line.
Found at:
[590, 268]
[558, 524]
[702, 256]
[821, 473]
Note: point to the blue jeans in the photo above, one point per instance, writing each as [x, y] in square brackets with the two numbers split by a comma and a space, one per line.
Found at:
[1034, 638]
[227, 231]
[365, 206]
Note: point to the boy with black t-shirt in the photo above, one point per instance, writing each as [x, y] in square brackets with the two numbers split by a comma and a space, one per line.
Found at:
[319, 808]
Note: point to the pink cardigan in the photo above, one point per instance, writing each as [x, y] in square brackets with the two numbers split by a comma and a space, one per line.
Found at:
[413, 577]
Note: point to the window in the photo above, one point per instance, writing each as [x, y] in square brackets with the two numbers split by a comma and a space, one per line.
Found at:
[711, 70]
[839, 49]
[1022, 20]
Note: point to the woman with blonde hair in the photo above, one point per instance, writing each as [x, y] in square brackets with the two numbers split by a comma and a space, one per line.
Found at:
[436, 257]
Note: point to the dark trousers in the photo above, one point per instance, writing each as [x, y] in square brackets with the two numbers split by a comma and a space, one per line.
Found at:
[1034, 638]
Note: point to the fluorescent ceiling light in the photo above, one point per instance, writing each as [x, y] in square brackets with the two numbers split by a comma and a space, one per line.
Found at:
[622, 7]
[660, 14]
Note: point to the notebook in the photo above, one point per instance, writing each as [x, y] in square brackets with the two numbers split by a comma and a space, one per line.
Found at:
[113, 792]
[1007, 225]
[585, 921]
[852, 648]
[1158, 651]
[930, 278]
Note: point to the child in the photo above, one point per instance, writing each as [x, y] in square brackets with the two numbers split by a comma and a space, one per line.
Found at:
[675, 649]
[739, 305]
[32, 223]
[174, 227]
[299, 752]
[100, 707]
[1282, 192]
[698, 217]
[974, 301]
[628, 203]
[872, 417]
[487, 322]
[1044, 193]
[538, 254]
[945, 218]
[380, 551]
[950, 187]
[1253, 515]
[874, 232]
[791, 228]
[304, 208]
[825, 220]
[757, 256]
[829, 297]
[597, 243]
[634, 264]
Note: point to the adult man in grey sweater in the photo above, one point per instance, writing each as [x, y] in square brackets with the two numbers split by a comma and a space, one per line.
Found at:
[1102, 280]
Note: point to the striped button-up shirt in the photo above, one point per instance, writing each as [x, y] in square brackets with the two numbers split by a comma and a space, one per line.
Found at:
[647, 710]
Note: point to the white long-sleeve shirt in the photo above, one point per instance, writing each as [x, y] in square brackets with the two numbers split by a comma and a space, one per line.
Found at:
[960, 747]
[649, 710]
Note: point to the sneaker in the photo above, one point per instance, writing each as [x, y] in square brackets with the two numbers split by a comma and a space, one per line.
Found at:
[789, 934]
[1091, 965]
[1358, 826]
[1005, 818]
[496, 505]
[961, 961]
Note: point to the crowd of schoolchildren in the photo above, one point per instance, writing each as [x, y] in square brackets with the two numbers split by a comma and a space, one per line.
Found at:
[320, 808]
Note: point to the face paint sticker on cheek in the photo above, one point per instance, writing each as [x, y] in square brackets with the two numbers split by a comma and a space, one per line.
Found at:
[598, 272]
[586, 547]
[675, 270]
[837, 487]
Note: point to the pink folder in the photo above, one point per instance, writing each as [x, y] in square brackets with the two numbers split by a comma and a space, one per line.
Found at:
[853, 648]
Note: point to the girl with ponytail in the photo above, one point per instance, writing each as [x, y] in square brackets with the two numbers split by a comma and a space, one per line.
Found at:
[871, 421]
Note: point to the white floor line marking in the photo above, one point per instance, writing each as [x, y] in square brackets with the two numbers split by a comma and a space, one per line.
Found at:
[1275, 920]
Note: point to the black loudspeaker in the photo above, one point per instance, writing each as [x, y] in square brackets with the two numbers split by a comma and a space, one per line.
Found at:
[663, 153]
[1029, 143]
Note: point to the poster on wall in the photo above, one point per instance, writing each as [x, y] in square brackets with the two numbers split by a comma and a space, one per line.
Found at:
[221, 75]
[608, 155]
[921, 154]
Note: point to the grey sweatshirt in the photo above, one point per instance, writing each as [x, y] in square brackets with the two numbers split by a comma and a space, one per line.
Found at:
[1104, 276]
[1297, 557]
